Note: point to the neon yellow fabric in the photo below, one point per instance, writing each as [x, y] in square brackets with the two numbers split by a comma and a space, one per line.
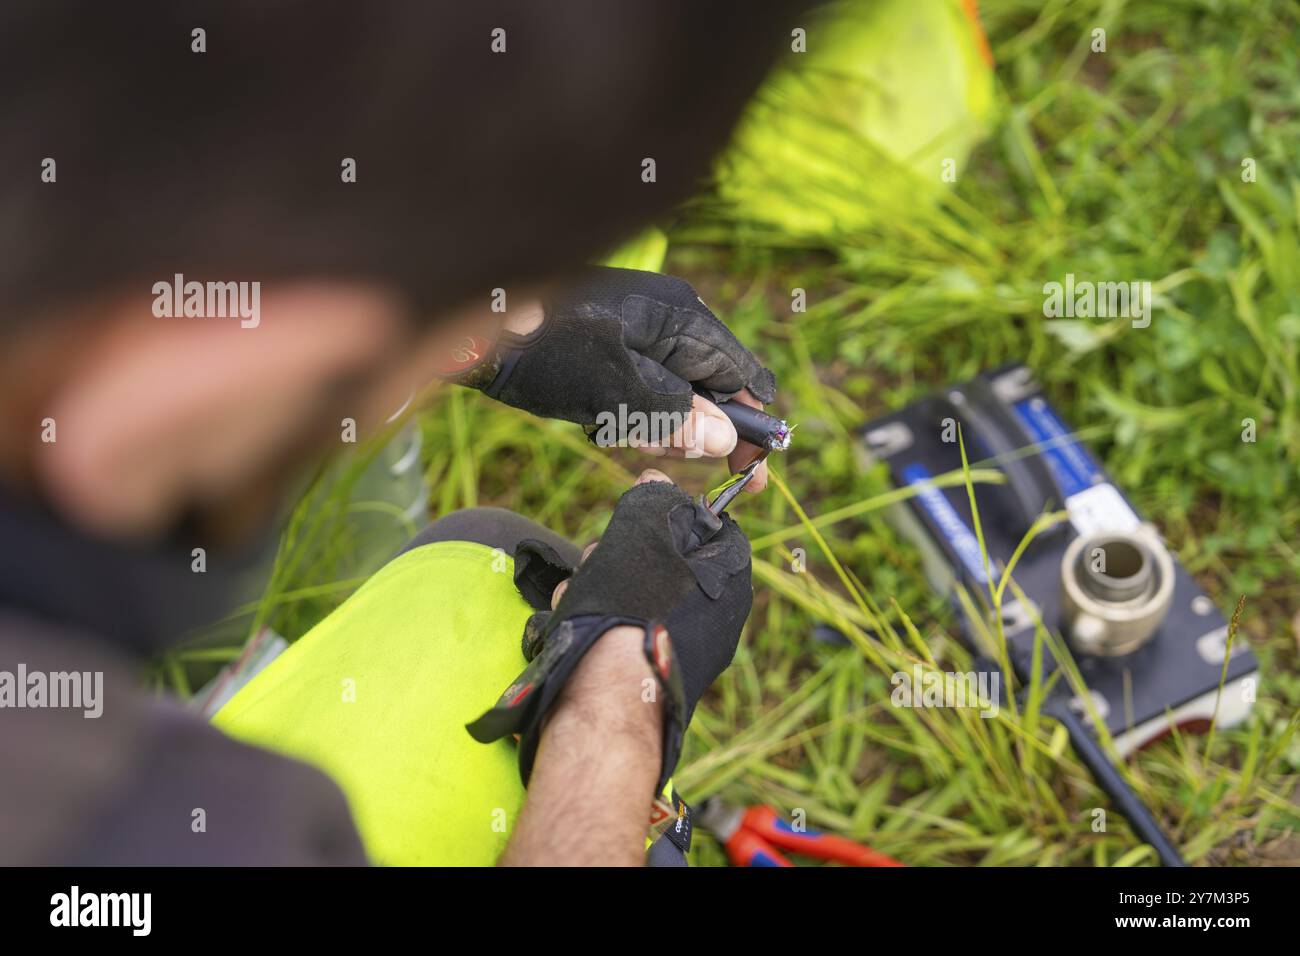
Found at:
[860, 129]
[645, 251]
[378, 694]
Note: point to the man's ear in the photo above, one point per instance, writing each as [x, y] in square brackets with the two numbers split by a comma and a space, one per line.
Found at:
[157, 413]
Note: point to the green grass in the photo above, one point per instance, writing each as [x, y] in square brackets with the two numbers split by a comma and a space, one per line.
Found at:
[1124, 164]
[1117, 165]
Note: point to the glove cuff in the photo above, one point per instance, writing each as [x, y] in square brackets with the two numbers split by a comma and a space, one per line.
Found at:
[523, 707]
[484, 362]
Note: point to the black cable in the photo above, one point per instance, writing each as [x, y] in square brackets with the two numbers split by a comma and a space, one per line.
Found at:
[1110, 780]
[1107, 775]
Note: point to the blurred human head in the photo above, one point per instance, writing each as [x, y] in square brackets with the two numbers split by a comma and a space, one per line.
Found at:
[355, 175]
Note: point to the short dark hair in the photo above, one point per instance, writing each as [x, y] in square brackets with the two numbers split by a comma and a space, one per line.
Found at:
[474, 168]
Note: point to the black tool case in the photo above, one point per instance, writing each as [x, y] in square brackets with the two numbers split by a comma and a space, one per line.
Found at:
[1007, 423]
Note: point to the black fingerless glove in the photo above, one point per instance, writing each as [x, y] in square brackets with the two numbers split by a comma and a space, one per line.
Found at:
[665, 564]
[623, 337]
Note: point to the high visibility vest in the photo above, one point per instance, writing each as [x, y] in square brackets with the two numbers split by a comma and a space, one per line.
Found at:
[378, 694]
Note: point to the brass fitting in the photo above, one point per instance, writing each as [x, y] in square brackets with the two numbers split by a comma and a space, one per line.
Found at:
[1116, 588]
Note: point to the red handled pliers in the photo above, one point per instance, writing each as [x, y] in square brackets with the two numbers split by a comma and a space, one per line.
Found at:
[755, 836]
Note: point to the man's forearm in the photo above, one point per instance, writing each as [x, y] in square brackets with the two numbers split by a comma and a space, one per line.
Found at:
[597, 763]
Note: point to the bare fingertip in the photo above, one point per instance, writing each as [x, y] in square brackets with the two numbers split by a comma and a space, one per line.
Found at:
[651, 474]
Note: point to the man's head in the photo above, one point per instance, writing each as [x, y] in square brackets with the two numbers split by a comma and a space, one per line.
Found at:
[370, 169]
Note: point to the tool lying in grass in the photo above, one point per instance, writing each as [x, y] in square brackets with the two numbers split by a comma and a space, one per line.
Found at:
[757, 427]
[755, 836]
[1149, 645]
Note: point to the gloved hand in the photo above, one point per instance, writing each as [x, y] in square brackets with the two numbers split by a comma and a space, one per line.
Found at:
[636, 339]
[664, 564]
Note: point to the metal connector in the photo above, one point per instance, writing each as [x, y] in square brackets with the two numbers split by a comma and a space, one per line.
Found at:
[1116, 588]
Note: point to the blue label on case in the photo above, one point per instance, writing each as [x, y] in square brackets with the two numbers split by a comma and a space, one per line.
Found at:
[949, 522]
[1071, 466]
